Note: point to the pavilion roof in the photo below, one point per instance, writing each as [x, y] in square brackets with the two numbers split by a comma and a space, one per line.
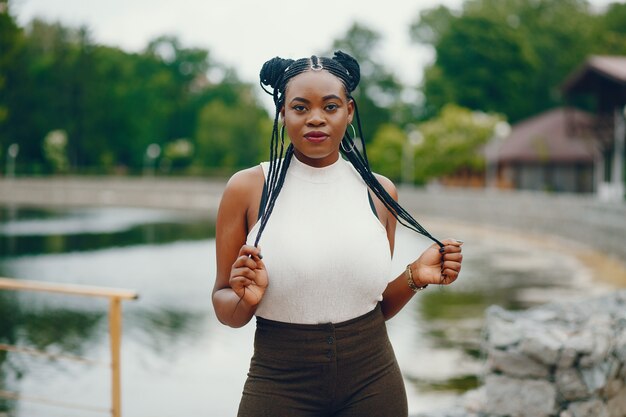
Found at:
[546, 137]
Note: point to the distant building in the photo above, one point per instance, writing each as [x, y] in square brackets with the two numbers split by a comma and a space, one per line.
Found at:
[600, 83]
[544, 153]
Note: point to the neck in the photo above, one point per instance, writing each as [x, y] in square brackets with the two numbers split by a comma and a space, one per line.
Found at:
[317, 162]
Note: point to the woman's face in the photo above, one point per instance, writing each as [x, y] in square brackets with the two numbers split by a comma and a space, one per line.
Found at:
[316, 115]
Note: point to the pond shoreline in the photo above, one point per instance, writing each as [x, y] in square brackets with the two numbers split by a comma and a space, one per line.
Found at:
[536, 262]
[592, 230]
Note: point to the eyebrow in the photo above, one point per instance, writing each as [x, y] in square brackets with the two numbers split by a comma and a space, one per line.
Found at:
[325, 98]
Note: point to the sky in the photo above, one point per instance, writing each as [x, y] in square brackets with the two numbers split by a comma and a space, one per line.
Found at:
[245, 33]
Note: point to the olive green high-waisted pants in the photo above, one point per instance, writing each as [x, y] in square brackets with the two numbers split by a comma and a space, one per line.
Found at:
[340, 370]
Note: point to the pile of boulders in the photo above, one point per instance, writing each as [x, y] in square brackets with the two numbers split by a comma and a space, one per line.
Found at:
[557, 360]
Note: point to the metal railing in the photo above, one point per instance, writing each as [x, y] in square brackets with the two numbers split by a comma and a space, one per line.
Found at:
[115, 297]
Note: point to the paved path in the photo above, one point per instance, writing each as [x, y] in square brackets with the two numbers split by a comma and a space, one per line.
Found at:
[580, 219]
[168, 193]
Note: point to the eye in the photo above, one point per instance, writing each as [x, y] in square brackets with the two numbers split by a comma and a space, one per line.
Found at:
[332, 107]
[299, 108]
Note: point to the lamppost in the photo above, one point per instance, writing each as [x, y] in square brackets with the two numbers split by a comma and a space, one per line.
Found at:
[414, 139]
[152, 153]
[12, 152]
[618, 155]
[500, 132]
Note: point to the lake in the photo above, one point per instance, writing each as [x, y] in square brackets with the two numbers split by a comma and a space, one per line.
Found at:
[177, 359]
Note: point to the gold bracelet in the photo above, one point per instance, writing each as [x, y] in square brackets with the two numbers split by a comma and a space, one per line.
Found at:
[410, 281]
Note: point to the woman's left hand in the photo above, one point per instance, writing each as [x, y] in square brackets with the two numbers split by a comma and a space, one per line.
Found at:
[438, 265]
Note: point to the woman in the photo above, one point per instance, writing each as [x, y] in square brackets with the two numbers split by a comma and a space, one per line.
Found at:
[321, 290]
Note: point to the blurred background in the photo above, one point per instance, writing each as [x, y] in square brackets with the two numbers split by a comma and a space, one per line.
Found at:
[503, 122]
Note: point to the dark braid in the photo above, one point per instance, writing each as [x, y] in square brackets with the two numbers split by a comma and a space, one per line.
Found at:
[273, 194]
[276, 73]
[359, 161]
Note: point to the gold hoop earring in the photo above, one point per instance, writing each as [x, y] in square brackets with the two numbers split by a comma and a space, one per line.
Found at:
[343, 148]
[353, 131]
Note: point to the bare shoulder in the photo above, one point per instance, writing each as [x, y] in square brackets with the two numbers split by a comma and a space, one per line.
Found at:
[244, 183]
[389, 186]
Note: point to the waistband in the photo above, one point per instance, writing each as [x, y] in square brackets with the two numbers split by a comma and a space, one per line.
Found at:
[321, 326]
[320, 342]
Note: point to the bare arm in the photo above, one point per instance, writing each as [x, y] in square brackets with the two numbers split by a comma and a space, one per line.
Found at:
[241, 276]
[426, 269]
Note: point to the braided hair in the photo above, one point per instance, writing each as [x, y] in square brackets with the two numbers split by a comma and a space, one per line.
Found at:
[276, 74]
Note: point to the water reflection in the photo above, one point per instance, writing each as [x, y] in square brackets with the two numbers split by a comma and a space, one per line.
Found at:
[39, 231]
[177, 359]
[55, 331]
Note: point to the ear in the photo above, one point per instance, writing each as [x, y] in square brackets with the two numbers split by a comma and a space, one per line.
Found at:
[282, 114]
[350, 110]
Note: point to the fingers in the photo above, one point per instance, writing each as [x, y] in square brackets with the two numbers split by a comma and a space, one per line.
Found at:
[246, 278]
[451, 269]
[451, 259]
[451, 245]
[249, 257]
[246, 271]
[250, 251]
[240, 281]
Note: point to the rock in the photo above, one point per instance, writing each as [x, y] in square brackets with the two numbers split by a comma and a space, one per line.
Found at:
[595, 378]
[515, 364]
[616, 406]
[593, 408]
[503, 329]
[565, 360]
[613, 388]
[570, 384]
[519, 397]
[542, 346]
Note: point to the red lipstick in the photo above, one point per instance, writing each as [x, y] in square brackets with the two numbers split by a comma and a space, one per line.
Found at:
[316, 136]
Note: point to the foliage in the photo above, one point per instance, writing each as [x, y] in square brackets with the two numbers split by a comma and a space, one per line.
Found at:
[452, 141]
[10, 37]
[378, 94]
[510, 56]
[231, 136]
[442, 146]
[113, 104]
[177, 154]
[610, 30]
[55, 150]
[385, 151]
[496, 56]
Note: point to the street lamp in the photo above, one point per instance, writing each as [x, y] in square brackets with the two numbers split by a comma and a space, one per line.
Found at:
[500, 132]
[152, 153]
[414, 139]
[12, 152]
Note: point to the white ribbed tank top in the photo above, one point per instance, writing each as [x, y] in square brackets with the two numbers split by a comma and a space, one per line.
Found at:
[327, 255]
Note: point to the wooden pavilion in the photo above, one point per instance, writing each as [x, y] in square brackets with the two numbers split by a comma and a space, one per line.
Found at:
[543, 153]
[600, 83]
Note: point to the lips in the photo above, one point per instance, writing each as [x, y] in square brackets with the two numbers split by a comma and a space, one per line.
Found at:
[316, 136]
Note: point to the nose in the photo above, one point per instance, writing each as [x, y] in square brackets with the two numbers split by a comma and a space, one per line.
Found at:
[316, 118]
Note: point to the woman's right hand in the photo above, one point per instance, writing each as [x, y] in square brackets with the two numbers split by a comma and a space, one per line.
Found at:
[248, 276]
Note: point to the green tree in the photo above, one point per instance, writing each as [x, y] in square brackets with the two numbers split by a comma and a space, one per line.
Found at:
[55, 150]
[385, 151]
[378, 94]
[231, 136]
[10, 43]
[41, 96]
[610, 30]
[444, 145]
[508, 56]
[453, 141]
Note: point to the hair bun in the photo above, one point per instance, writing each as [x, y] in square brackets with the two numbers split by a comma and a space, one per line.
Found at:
[273, 70]
[351, 65]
